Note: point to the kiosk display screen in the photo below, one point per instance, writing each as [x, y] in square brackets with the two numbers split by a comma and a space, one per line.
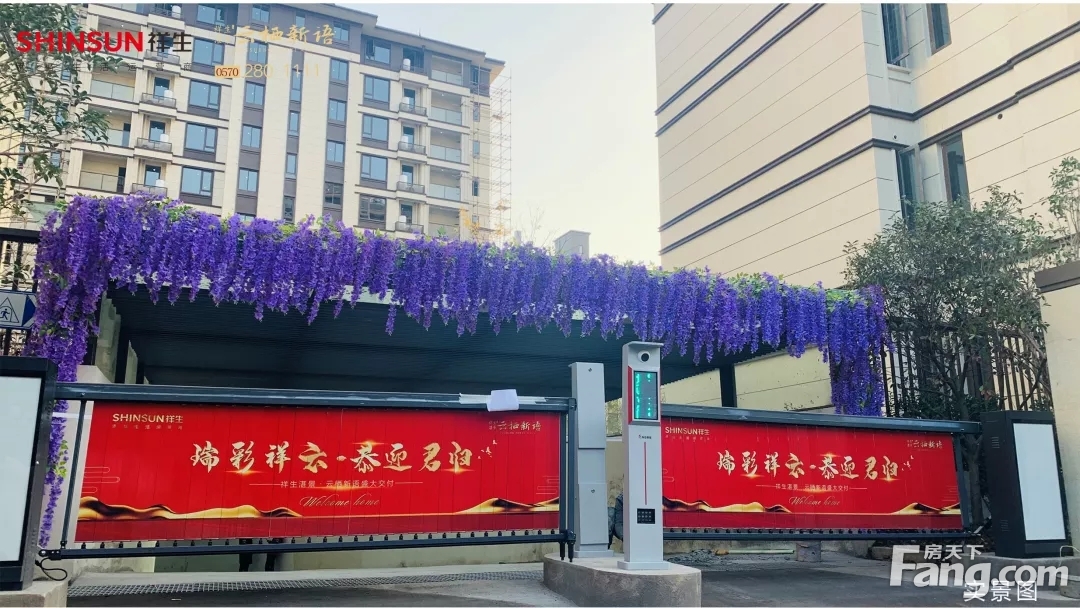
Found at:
[646, 396]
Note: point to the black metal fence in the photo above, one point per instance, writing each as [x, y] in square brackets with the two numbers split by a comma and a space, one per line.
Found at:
[18, 249]
[1003, 373]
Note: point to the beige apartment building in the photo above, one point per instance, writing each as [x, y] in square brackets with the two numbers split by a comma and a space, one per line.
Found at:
[786, 131]
[325, 113]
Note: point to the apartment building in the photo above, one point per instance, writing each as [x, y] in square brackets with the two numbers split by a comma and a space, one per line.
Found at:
[323, 112]
[786, 131]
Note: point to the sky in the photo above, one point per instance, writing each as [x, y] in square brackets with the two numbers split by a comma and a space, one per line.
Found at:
[583, 93]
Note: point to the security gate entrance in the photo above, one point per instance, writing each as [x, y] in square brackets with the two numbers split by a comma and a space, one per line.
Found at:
[163, 470]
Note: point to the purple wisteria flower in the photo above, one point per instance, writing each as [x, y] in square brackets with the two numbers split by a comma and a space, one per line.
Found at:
[278, 266]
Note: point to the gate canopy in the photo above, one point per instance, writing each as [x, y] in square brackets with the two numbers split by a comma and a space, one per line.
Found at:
[200, 344]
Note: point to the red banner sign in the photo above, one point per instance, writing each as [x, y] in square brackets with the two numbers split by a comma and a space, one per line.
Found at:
[183, 472]
[722, 474]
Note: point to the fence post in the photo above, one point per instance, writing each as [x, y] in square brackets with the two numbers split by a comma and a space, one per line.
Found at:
[590, 467]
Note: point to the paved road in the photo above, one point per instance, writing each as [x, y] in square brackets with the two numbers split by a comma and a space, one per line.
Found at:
[357, 596]
[744, 580]
[819, 587]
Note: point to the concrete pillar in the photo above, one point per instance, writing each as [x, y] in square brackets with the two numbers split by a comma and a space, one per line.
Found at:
[808, 551]
[590, 473]
[1061, 292]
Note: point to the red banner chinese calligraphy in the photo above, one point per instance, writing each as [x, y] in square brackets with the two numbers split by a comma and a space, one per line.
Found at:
[722, 474]
[183, 472]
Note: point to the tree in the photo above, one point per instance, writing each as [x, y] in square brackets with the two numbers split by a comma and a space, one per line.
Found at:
[533, 231]
[958, 281]
[44, 104]
[1065, 204]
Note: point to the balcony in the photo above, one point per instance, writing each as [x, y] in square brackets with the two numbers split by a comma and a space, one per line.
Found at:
[155, 145]
[443, 153]
[407, 186]
[448, 116]
[117, 137]
[151, 190]
[446, 231]
[412, 108]
[408, 146]
[450, 193]
[159, 100]
[171, 58]
[166, 11]
[409, 227]
[118, 92]
[100, 181]
[447, 77]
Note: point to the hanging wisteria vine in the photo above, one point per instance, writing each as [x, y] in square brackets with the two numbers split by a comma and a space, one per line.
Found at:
[130, 241]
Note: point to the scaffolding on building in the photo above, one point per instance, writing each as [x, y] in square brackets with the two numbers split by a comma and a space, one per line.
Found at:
[490, 165]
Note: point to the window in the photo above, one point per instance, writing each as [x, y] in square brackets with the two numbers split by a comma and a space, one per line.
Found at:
[211, 15]
[373, 168]
[205, 52]
[288, 209]
[892, 18]
[335, 152]
[204, 95]
[290, 166]
[249, 180]
[160, 86]
[260, 13]
[294, 123]
[376, 89]
[377, 51]
[940, 35]
[245, 217]
[373, 208]
[200, 138]
[376, 128]
[332, 194]
[257, 52]
[254, 93]
[300, 20]
[54, 159]
[251, 136]
[296, 85]
[956, 184]
[415, 58]
[476, 148]
[341, 32]
[476, 186]
[406, 211]
[908, 180]
[475, 111]
[339, 70]
[337, 110]
[157, 129]
[197, 181]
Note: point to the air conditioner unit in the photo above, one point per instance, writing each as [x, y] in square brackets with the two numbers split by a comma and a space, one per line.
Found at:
[406, 64]
[177, 11]
[167, 94]
[163, 138]
[160, 183]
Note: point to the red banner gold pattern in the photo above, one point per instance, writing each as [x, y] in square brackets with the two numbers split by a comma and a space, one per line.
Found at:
[183, 472]
[722, 474]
